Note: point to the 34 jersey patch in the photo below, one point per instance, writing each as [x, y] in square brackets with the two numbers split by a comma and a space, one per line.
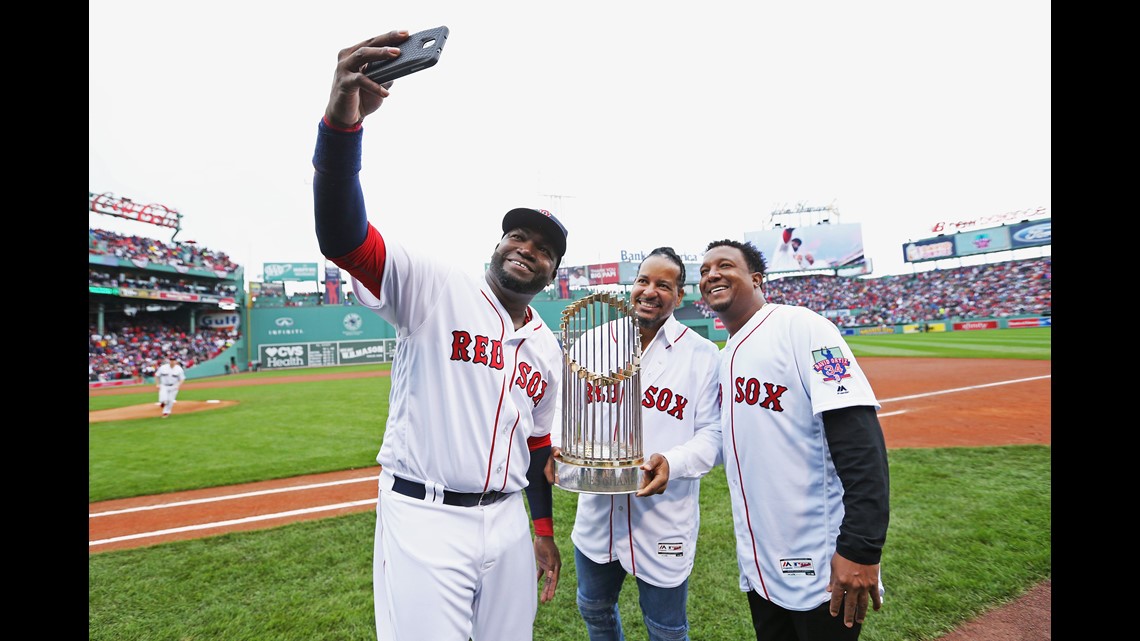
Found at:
[834, 366]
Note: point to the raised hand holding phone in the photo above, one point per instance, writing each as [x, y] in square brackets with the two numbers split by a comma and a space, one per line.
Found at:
[420, 51]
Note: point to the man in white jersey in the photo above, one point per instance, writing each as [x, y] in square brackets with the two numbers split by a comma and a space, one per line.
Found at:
[474, 389]
[805, 458]
[170, 376]
[786, 255]
[652, 536]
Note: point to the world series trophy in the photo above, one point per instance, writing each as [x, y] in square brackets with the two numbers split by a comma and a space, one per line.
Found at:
[601, 397]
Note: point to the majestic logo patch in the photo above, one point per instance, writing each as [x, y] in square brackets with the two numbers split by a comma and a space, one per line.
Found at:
[670, 548]
[831, 362]
[793, 567]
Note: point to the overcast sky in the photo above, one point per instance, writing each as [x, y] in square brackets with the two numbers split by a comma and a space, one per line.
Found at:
[638, 123]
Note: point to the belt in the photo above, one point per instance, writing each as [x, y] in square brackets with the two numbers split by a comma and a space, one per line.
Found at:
[458, 499]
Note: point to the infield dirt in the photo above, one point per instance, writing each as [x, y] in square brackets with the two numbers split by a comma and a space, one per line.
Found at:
[979, 402]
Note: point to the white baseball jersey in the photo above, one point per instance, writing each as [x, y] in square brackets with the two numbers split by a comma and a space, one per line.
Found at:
[170, 375]
[655, 537]
[778, 374]
[783, 257]
[467, 391]
[467, 388]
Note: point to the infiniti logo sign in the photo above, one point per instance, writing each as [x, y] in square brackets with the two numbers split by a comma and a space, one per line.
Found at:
[284, 321]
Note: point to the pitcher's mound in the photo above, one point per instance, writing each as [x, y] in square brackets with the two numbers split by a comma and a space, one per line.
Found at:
[152, 410]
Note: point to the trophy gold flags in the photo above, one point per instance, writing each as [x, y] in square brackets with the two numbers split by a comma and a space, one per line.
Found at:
[601, 449]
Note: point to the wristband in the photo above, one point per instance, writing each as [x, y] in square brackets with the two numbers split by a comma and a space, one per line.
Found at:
[353, 129]
[544, 526]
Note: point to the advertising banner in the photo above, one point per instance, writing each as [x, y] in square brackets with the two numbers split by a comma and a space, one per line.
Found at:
[1032, 234]
[873, 331]
[220, 320]
[970, 325]
[983, 241]
[1028, 322]
[278, 356]
[361, 352]
[332, 293]
[929, 249]
[267, 289]
[564, 282]
[809, 248]
[323, 354]
[279, 272]
[604, 274]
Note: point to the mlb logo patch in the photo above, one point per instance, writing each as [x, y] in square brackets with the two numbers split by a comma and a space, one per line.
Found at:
[802, 566]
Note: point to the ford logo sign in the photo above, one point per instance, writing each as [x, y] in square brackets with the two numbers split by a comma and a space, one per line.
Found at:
[1035, 233]
[284, 321]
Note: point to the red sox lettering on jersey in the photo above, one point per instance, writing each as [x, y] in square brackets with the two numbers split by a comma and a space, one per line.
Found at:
[483, 350]
[531, 380]
[660, 399]
[462, 346]
[453, 334]
[748, 392]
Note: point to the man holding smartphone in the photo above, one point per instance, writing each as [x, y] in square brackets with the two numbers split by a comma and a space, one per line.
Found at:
[474, 393]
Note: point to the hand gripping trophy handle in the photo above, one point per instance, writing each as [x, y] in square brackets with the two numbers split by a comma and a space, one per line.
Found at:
[601, 450]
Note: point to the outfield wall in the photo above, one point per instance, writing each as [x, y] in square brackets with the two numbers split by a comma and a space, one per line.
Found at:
[292, 337]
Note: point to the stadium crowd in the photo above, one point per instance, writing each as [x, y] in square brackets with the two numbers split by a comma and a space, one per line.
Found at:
[140, 248]
[153, 281]
[993, 290]
[134, 351]
[299, 299]
[134, 348]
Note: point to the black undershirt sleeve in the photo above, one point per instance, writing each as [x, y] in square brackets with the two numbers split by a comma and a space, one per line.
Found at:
[859, 452]
[338, 201]
[539, 492]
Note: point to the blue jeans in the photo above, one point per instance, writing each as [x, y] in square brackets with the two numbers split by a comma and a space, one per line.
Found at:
[662, 609]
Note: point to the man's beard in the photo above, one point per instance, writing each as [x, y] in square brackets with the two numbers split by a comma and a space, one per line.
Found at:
[533, 286]
[720, 307]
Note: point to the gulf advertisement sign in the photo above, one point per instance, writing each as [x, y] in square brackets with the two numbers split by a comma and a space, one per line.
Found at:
[217, 320]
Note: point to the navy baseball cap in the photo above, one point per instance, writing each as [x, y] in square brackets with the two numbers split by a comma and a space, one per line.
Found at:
[541, 220]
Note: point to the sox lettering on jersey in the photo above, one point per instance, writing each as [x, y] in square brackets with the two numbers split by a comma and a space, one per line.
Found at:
[482, 350]
[748, 392]
[662, 400]
[531, 380]
[659, 399]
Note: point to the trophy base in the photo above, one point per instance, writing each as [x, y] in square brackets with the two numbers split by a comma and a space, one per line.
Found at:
[607, 479]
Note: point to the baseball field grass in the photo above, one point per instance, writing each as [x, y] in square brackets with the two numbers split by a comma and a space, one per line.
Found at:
[970, 527]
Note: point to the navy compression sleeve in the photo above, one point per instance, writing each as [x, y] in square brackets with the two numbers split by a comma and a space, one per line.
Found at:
[859, 452]
[338, 201]
[539, 492]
